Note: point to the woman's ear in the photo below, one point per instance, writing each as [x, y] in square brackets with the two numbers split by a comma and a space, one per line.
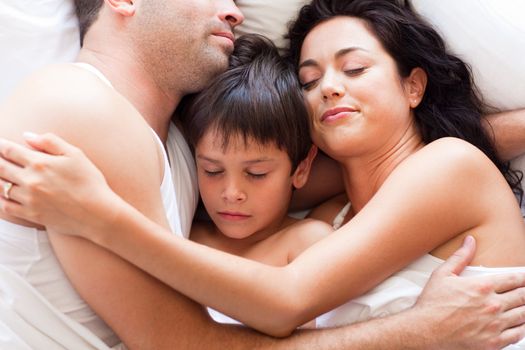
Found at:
[416, 84]
[300, 176]
[125, 8]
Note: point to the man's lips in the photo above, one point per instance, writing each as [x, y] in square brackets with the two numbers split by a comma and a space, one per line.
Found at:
[336, 113]
[227, 35]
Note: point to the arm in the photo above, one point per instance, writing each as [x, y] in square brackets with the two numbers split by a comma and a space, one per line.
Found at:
[508, 130]
[305, 287]
[468, 313]
[145, 313]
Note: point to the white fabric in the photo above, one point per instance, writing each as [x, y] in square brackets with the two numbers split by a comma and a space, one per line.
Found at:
[184, 180]
[398, 293]
[34, 33]
[269, 18]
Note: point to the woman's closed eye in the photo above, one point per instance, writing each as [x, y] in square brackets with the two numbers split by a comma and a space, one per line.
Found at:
[354, 71]
[309, 85]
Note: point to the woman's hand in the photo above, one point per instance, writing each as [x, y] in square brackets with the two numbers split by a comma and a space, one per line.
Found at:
[56, 186]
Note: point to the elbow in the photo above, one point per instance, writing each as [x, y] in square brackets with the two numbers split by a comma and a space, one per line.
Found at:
[293, 310]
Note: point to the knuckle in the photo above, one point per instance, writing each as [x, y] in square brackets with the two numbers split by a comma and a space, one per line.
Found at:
[493, 307]
[484, 288]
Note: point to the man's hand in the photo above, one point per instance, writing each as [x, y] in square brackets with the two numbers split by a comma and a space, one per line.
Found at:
[482, 312]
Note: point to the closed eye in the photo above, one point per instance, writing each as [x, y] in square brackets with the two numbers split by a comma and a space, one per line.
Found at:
[212, 173]
[309, 85]
[256, 176]
[355, 71]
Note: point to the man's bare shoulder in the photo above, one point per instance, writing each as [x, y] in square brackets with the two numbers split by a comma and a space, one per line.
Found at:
[63, 99]
[87, 112]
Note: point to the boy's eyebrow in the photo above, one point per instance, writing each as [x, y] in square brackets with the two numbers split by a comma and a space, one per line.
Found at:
[251, 161]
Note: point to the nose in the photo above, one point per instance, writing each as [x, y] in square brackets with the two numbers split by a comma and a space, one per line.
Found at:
[230, 13]
[233, 193]
[331, 87]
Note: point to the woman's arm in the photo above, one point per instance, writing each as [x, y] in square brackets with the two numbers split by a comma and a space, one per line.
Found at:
[285, 297]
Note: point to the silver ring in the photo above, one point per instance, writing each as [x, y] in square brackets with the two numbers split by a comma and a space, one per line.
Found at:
[7, 188]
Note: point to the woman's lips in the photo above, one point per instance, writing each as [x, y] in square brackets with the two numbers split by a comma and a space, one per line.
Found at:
[336, 113]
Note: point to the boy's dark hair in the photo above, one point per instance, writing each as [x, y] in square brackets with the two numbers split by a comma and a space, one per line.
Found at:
[87, 12]
[258, 97]
[450, 106]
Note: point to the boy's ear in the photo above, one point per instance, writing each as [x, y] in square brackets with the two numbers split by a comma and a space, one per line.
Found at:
[300, 176]
[125, 8]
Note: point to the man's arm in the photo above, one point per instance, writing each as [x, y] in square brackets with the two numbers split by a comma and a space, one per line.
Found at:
[508, 130]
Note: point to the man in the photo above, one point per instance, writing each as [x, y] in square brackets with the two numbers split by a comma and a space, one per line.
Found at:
[153, 53]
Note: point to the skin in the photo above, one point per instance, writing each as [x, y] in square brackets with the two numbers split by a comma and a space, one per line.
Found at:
[246, 188]
[482, 328]
[407, 170]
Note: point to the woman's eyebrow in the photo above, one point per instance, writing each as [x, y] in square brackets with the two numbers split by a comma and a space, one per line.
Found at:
[337, 55]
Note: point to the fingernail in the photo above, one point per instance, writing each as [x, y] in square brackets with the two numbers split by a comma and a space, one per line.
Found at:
[30, 136]
[469, 240]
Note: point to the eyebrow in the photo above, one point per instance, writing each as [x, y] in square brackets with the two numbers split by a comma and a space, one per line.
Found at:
[253, 161]
[337, 55]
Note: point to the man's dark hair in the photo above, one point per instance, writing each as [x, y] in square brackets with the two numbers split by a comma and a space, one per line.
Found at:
[450, 105]
[258, 98]
[87, 12]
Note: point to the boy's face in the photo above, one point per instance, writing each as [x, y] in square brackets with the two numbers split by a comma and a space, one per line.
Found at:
[246, 188]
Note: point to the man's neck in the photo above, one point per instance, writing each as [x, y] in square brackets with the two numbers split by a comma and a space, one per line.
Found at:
[133, 82]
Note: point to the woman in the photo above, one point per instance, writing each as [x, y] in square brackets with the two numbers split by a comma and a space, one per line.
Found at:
[382, 100]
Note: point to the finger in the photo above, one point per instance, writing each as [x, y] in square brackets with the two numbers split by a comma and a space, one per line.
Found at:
[16, 153]
[511, 336]
[13, 192]
[505, 283]
[9, 171]
[13, 209]
[514, 317]
[513, 299]
[48, 143]
[456, 263]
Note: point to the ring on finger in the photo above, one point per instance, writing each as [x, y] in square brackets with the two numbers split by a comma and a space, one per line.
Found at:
[7, 188]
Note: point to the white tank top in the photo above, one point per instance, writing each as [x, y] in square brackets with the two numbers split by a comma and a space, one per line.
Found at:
[28, 251]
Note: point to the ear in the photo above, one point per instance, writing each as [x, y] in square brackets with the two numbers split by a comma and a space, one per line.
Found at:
[416, 84]
[300, 176]
[125, 8]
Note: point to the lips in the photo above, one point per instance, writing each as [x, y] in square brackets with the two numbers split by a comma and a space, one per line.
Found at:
[336, 113]
[233, 216]
[227, 35]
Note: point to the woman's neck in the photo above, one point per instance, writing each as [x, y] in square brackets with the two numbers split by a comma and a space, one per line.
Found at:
[364, 175]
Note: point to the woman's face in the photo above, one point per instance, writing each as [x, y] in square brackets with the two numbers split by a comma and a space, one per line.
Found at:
[358, 103]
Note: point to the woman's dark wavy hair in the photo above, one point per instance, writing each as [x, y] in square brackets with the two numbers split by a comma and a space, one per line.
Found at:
[450, 106]
[258, 97]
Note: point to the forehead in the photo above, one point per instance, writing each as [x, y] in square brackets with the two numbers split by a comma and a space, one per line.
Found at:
[216, 141]
[338, 33]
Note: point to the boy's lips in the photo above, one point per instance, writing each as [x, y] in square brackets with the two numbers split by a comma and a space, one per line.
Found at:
[234, 216]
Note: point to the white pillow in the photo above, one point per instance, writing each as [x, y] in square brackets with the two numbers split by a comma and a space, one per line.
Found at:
[34, 33]
[268, 17]
[489, 35]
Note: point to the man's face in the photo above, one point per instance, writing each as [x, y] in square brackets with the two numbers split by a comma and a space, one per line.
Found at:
[189, 40]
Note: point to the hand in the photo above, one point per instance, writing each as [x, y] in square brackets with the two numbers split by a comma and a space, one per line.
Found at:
[482, 312]
[57, 187]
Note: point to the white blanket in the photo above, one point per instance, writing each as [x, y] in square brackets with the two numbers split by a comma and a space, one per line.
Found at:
[29, 322]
